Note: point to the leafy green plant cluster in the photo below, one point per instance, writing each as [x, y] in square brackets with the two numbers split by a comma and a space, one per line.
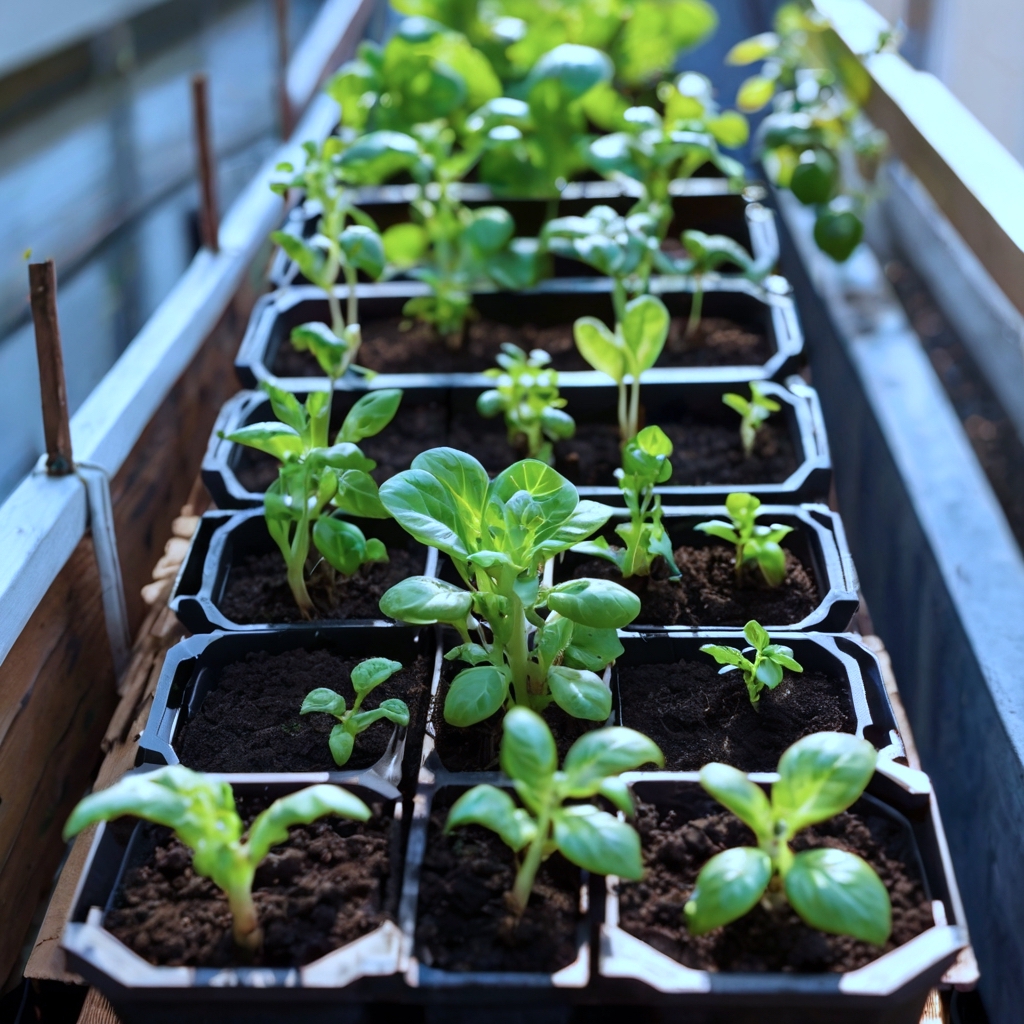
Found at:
[754, 412]
[832, 890]
[526, 391]
[366, 677]
[498, 534]
[645, 464]
[815, 133]
[754, 542]
[770, 660]
[201, 811]
[319, 482]
[584, 834]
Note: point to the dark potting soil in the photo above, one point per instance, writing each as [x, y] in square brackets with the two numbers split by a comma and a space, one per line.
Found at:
[703, 452]
[414, 429]
[324, 887]
[707, 594]
[696, 715]
[678, 842]
[464, 921]
[476, 748]
[398, 345]
[257, 587]
[250, 721]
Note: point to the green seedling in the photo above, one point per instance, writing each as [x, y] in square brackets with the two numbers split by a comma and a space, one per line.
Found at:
[645, 464]
[816, 129]
[366, 676]
[337, 248]
[754, 543]
[767, 667]
[832, 890]
[754, 411]
[585, 835]
[202, 813]
[526, 391]
[318, 482]
[498, 534]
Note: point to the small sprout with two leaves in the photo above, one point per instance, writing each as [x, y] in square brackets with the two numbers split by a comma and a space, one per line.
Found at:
[201, 811]
[366, 676]
[526, 391]
[585, 835]
[498, 534]
[832, 890]
[318, 482]
[645, 464]
[754, 543]
[767, 667]
[754, 411]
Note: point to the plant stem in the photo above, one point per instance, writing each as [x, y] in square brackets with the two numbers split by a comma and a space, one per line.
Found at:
[245, 926]
[518, 654]
[352, 280]
[619, 298]
[297, 566]
[527, 874]
[337, 320]
[623, 417]
[695, 310]
[634, 408]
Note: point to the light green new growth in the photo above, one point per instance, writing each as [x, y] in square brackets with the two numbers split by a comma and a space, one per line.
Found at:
[758, 544]
[588, 837]
[753, 413]
[832, 890]
[201, 811]
[766, 668]
[366, 676]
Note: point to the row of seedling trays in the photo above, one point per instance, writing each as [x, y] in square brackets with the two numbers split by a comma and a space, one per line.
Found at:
[391, 889]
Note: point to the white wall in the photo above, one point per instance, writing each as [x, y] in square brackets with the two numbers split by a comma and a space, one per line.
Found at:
[30, 29]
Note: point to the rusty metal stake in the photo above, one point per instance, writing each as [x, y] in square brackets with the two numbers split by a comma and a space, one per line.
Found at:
[209, 218]
[281, 19]
[42, 279]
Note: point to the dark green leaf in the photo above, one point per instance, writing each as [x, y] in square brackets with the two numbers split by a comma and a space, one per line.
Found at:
[475, 694]
[598, 603]
[494, 809]
[745, 799]
[728, 886]
[372, 672]
[596, 755]
[423, 600]
[580, 694]
[596, 841]
[369, 416]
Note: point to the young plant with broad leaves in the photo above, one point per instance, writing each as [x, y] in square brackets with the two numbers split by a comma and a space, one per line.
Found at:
[645, 464]
[318, 482]
[816, 132]
[526, 391]
[770, 660]
[754, 412]
[755, 544]
[448, 246]
[201, 812]
[831, 889]
[338, 248]
[366, 677]
[498, 534]
[587, 836]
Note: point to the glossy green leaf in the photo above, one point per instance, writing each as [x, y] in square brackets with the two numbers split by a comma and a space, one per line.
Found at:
[527, 748]
[464, 479]
[728, 886]
[576, 69]
[720, 529]
[579, 693]
[358, 496]
[275, 439]
[597, 841]
[393, 709]
[753, 49]
[424, 508]
[405, 245]
[755, 94]
[329, 350]
[342, 544]
[596, 755]
[597, 345]
[372, 672]
[475, 694]
[644, 329]
[838, 234]
[325, 701]
[341, 742]
[286, 407]
[756, 634]
[363, 249]
[553, 495]
[490, 229]
[745, 799]
[598, 603]
[423, 600]
[370, 415]
[494, 809]
[592, 649]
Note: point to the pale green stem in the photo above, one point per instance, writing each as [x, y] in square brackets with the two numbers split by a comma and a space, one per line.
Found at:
[623, 413]
[527, 874]
[634, 407]
[695, 310]
[518, 653]
[245, 926]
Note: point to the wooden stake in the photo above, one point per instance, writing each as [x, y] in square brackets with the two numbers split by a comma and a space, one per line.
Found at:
[281, 18]
[56, 425]
[209, 218]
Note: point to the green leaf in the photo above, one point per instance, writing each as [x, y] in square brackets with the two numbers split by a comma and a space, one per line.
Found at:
[286, 407]
[728, 886]
[838, 233]
[474, 654]
[838, 892]
[464, 479]
[769, 674]
[755, 94]
[730, 129]
[494, 809]
[579, 693]
[815, 177]
[379, 155]
[600, 548]
[328, 349]
[527, 748]
[720, 529]
[644, 329]
[424, 508]
[423, 600]
[325, 701]
[600, 604]
[370, 415]
[490, 229]
[363, 249]
[753, 49]
[576, 69]
[617, 791]
[592, 649]
[341, 743]
[596, 755]
[584, 519]
[370, 673]
[393, 709]
[819, 776]
[598, 346]
[357, 495]
[726, 655]
[309, 259]
[555, 498]
[745, 799]
[757, 635]
[342, 544]
[770, 558]
[553, 637]
[275, 439]
[596, 841]
[475, 694]
[654, 441]
[405, 245]
[343, 455]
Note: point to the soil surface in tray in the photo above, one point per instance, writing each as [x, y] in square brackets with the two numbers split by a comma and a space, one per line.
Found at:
[414, 429]
[388, 348]
[250, 721]
[323, 888]
[677, 844]
[703, 452]
[257, 588]
[696, 715]
[464, 922]
[707, 595]
[476, 748]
